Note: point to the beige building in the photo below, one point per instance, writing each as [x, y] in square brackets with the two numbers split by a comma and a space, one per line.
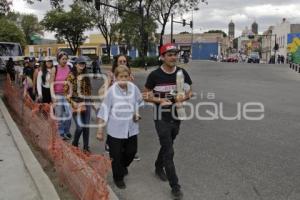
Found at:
[94, 46]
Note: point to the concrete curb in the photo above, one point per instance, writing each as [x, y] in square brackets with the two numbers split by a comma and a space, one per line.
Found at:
[39, 177]
[112, 194]
[41, 180]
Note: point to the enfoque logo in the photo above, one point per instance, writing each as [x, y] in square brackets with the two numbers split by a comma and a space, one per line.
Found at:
[203, 106]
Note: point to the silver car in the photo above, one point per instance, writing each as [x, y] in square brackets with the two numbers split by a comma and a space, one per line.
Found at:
[89, 62]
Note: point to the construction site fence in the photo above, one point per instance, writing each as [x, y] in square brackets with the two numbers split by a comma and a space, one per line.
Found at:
[84, 174]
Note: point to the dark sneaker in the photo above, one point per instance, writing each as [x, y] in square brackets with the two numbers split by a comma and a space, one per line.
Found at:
[69, 135]
[161, 174]
[120, 184]
[177, 193]
[86, 150]
[64, 137]
[136, 157]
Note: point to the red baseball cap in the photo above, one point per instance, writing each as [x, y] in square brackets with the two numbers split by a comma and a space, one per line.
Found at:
[168, 47]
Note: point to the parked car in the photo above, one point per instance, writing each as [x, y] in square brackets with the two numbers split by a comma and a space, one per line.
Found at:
[233, 58]
[89, 62]
[254, 57]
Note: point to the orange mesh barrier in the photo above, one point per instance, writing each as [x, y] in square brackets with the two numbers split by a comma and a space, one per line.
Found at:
[84, 174]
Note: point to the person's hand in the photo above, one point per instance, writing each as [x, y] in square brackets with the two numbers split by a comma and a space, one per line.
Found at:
[39, 98]
[147, 95]
[136, 117]
[165, 102]
[100, 135]
[54, 101]
[180, 98]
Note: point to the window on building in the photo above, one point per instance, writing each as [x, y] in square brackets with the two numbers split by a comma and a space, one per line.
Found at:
[88, 51]
[66, 50]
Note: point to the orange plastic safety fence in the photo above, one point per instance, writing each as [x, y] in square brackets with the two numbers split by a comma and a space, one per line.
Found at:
[85, 174]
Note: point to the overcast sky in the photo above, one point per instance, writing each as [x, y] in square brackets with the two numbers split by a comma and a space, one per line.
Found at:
[216, 15]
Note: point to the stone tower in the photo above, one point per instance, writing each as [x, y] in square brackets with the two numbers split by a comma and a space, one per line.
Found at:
[255, 28]
[231, 29]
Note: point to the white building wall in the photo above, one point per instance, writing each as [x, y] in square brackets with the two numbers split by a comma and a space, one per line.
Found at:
[282, 30]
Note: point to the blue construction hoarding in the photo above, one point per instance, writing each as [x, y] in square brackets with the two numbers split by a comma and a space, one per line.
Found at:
[200, 51]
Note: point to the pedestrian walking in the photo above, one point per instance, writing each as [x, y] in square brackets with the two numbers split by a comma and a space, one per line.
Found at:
[118, 61]
[79, 101]
[119, 111]
[43, 81]
[59, 74]
[10, 68]
[19, 72]
[282, 59]
[278, 59]
[28, 71]
[96, 67]
[37, 68]
[158, 90]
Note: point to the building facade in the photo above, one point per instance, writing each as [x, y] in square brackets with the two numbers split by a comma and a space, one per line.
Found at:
[231, 29]
[268, 43]
[282, 30]
[200, 46]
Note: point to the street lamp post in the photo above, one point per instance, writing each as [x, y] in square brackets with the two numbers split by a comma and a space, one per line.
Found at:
[142, 30]
[192, 25]
[172, 28]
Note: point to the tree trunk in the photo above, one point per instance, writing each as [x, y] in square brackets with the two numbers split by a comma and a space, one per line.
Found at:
[161, 35]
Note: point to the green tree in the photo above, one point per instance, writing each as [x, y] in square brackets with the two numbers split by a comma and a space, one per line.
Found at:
[105, 20]
[9, 32]
[14, 17]
[217, 31]
[162, 10]
[4, 7]
[138, 21]
[69, 25]
[56, 4]
[30, 26]
[28, 23]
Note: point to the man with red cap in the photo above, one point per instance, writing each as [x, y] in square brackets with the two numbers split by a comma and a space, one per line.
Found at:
[159, 89]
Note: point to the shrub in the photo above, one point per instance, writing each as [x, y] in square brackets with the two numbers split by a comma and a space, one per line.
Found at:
[151, 61]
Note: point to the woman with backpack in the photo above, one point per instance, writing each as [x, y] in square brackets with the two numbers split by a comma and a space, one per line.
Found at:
[59, 74]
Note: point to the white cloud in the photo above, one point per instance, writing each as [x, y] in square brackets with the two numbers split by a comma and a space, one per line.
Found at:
[273, 10]
[239, 18]
[216, 15]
